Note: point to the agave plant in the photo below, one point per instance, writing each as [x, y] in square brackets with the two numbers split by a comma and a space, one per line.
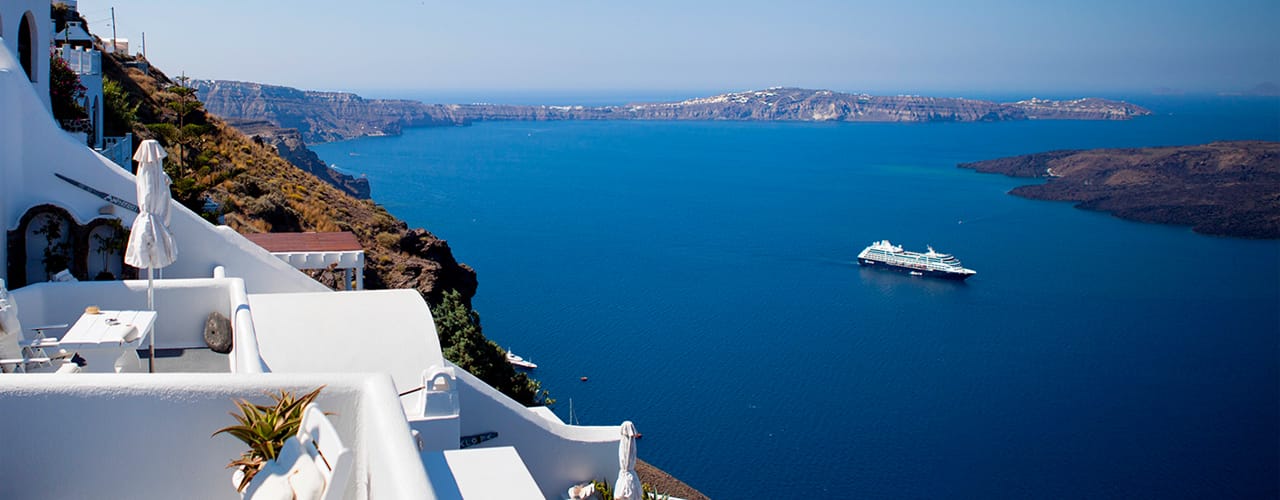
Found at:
[265, 428]
[602, 488]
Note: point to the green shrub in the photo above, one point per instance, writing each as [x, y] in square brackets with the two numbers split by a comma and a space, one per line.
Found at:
[265, 428]
[118, 115]
[387, 240]
[465, 345]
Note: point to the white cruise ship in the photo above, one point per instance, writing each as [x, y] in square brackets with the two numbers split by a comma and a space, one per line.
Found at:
[886, 255]
[405, 422]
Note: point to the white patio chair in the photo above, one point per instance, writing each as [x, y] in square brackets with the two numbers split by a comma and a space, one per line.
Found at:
[17, 354]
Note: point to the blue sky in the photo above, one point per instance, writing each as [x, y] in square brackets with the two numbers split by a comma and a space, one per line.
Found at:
[424, 46]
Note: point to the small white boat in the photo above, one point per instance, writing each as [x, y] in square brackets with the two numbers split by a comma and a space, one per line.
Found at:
[515, 360]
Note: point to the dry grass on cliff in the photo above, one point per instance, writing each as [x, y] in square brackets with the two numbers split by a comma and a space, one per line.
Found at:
[259, 191]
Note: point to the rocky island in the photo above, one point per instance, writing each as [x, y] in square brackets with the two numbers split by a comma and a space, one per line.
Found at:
[328, 116]
[1221, 188]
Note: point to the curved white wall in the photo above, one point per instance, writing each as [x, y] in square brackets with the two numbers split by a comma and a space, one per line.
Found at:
[557, 455]
[149, 437]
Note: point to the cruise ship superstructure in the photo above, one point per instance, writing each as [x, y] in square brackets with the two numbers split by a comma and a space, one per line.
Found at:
[886, 255]
[416, 425]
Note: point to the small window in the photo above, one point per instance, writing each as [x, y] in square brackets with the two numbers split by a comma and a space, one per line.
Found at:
[26, 45]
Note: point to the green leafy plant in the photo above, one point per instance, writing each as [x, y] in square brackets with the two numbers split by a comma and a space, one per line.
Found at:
[464, 344]
[65, 90]
[110, 245]
[57, 250]
[119, 114]
[603, 489]
[183, 103]
[650, 492]
[265, 428]
[647, 491]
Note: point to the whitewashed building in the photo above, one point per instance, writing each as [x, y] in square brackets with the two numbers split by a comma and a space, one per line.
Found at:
[413, 425]
[27, 32]
[74, 45]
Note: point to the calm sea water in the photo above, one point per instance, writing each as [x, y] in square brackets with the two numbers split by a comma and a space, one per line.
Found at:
[703, 276]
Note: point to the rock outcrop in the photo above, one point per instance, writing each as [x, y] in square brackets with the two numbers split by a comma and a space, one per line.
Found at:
[257, 190]
[318, 116]
[290, 146]
[327, 116]
[1222, 188]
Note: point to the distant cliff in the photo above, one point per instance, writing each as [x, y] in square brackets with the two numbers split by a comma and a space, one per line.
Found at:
[290, 146]
[1222, 188]
[318, 116]
[328, 116]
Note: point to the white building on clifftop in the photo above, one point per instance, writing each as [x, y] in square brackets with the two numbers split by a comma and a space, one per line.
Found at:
[415, 425]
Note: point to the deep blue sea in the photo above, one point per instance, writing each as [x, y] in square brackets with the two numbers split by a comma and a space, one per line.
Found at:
[703, 275]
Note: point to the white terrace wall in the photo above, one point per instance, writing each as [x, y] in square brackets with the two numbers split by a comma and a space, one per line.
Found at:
[146, 436]
[557, 455]
[33, 148]
[183, 304]
[389, 331]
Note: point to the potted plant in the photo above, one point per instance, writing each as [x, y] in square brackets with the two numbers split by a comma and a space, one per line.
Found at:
[265, 428]
[56, 249]
[112, 244]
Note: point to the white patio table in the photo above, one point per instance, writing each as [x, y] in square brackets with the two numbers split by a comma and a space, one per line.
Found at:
[108, 341]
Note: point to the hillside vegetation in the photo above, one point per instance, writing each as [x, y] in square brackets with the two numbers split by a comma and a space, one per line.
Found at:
[255, 190]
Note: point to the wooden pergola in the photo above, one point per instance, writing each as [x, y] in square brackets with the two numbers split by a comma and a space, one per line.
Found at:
[339, 250]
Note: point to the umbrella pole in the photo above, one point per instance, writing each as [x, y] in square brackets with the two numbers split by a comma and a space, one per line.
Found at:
[151, 306]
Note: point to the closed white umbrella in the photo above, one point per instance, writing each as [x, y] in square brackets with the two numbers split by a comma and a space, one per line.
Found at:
[150, 244]
[628, 485]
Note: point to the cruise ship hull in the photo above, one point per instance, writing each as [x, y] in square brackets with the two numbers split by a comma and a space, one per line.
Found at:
[918, 272]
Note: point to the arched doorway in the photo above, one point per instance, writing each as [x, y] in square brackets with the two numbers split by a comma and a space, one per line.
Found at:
[26, 45]
[107, 240]
[48, 246]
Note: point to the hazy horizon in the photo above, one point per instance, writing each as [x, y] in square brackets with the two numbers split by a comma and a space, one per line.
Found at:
[624, 96]
[933, 47]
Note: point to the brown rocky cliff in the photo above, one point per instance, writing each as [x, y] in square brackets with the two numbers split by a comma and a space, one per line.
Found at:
[258, 191]
[290, 146]
[318, 116]
[1222, 188]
